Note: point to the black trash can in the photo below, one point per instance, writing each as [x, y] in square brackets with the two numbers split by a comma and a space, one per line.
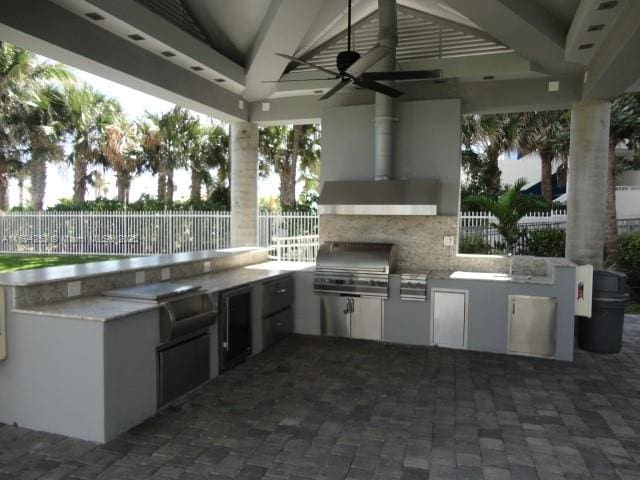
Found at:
[602, 332]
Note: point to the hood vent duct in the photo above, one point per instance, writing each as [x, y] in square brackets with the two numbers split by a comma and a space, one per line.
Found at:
[385, 105]
[389, 197]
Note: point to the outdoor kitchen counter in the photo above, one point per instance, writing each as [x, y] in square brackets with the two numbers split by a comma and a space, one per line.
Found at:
[236, 277]
[104, 309]
[94, 309]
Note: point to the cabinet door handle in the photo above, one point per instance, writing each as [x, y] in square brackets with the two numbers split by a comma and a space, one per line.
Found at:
[281, 290]
[513, 307]
[278, 324]
[353, 305]
[226, 344]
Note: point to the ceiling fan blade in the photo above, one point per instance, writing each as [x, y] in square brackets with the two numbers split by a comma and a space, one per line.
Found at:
[309, 64]
[336, 89]
[300, 80]
[368, 60]
[407, 75]
[378, 87]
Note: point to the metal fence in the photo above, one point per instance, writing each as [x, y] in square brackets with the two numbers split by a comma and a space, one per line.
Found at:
[137, 233]
[293, 235]
[303, 248]
[478, 226]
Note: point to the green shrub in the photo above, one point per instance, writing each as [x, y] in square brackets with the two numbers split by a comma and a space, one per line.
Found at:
[474, 244]
[628, 261]
[546, 242]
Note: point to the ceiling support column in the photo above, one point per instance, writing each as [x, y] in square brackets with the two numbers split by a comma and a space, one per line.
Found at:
[385, 105]
[244, 184]
[588, 151]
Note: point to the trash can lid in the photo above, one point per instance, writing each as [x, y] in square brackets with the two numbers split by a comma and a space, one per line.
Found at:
[609, 281]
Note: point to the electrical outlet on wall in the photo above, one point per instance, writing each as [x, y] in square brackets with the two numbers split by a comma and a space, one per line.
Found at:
[140, 277]
[448, 241]
[206, 267]
[166, 273]
[74, 289]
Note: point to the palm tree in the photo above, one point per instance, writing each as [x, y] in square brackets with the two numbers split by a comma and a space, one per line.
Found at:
[494, 134]
[90, 112]
[310, 158]
[44, 123]
[509, 208]
[120, 154]
[215, 158]
[20, 74]
[282, 147]
[176, 131]
[548, 134]
[624, 128]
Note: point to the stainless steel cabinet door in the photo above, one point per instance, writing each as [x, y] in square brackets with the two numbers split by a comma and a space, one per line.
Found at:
[335, 315]
[366, 318]
[532, 325]
[449, 318]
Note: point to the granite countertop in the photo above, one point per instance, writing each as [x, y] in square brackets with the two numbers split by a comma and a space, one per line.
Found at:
[95, 309]
[236, 277]
[481, 276]
[73, 272]
[104, 309]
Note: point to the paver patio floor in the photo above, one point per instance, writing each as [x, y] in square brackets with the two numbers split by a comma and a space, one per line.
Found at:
[334, 408]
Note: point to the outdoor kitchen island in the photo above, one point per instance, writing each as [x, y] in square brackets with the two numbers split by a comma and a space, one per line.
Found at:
[89, 366]
[85, 365]
[529, 312]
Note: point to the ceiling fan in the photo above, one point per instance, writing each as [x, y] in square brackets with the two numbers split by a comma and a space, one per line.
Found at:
[352, 68]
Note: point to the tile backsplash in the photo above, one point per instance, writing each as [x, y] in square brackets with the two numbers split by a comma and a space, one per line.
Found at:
[419, 239]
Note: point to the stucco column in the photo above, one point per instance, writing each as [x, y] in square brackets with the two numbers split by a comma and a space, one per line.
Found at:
[244, 184]
[588, 152]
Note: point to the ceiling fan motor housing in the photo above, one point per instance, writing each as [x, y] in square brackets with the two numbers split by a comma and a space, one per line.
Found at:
[346, 59]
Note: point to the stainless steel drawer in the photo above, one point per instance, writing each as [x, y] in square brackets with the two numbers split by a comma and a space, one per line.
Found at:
[278, 326]
[182, 368]
[277, 295]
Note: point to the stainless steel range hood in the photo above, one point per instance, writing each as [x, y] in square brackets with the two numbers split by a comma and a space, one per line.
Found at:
[388, 197]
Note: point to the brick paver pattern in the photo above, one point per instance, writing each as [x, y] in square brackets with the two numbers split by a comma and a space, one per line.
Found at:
[315, 408]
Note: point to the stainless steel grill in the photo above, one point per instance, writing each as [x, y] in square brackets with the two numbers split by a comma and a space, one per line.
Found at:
[357, 269]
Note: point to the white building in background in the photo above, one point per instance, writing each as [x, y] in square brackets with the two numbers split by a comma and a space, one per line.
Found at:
[528, 166]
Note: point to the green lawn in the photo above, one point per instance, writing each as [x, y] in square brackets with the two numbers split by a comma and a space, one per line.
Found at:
[9, 263]
[634, 309]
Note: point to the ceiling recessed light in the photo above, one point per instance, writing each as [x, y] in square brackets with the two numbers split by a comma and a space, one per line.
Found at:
[488, 77]
[219, 80]
[318, 91]
[595, 28]
[585, 46]
[167, 53]
[608, 5]
[95, 16]
[197, 69]
[440, 80]
[136, 37]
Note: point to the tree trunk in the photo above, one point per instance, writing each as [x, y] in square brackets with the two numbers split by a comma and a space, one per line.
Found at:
[196, 185]
[123, 183]
[162, 186]
[289, 171]
[170, 186]
[4, 185]
[21, 192]
[492, 174]
[546, 159]
[79, 179]
[611, 221]
[38, 173]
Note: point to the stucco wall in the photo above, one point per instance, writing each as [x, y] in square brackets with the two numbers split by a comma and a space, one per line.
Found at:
[427, 145]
